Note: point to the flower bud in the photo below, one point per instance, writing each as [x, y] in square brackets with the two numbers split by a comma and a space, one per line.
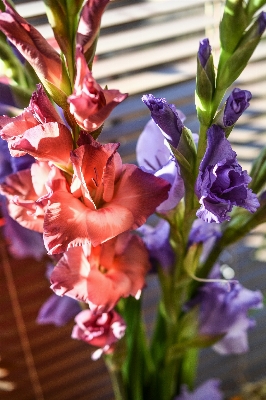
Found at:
[231, 67]
[205, 81]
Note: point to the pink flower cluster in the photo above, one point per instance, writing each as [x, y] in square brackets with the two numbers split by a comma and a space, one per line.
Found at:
[78, 193]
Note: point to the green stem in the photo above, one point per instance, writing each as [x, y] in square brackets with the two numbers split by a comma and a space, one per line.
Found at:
[218, 96]
[138, 366]
[201, 146]
[116, 379]
[189, 367]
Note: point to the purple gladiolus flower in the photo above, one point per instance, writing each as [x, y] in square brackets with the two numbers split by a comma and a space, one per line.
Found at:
[209, 390]
[166, 117]
[156, 240]
[236, 104]
[223, 309]
[58, 310]
[221, 183]
[204, 52]
[155, 157]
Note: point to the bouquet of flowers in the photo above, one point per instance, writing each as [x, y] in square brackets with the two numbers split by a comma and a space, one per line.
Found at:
[61, 179]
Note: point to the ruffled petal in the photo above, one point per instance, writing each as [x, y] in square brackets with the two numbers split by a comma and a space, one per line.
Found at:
[68, 222]
[48, 142]
[139, 192]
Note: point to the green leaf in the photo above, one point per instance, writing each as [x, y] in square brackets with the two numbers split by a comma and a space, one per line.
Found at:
[199, 341]
[233, 24]
[258, 172]
[254, 5]
[185, 154]
[187, 147]
[231, 68]
[182, 161]
[56, 94]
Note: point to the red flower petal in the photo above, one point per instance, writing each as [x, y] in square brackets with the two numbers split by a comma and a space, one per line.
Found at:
[46, 142]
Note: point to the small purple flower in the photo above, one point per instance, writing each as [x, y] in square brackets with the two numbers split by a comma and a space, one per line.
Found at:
[156, 240]
[165, 115]
[209, 390]
[235, 105]
[155, 156]
[58, 310]
[223, 309]
[204, 52]
[207, 234]
[221, 183]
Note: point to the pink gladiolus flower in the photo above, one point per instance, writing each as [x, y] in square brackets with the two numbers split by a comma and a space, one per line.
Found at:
[38, 131]
[26, 192]
[90, 104]
[99, 330]
[89, 23]
[105, 199]
[32, 45]
[22, 189]
[110, 271]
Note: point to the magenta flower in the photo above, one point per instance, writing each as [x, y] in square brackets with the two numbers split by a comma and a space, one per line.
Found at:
[221, 183]
[90, 104]
[105, 198]
[115, 269]
[32, 45]
[102, 330]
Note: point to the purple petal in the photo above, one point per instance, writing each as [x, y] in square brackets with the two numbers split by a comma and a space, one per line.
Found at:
[221, 183]
[152, 153]
[204, 52]
[209, 390]
[236, 104]
[224, 310]
[171, 173]
[166, 117]
[156, 240]
[58, 310]
[262, 22]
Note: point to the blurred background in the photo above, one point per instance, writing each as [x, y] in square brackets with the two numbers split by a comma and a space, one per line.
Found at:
[144, 47]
